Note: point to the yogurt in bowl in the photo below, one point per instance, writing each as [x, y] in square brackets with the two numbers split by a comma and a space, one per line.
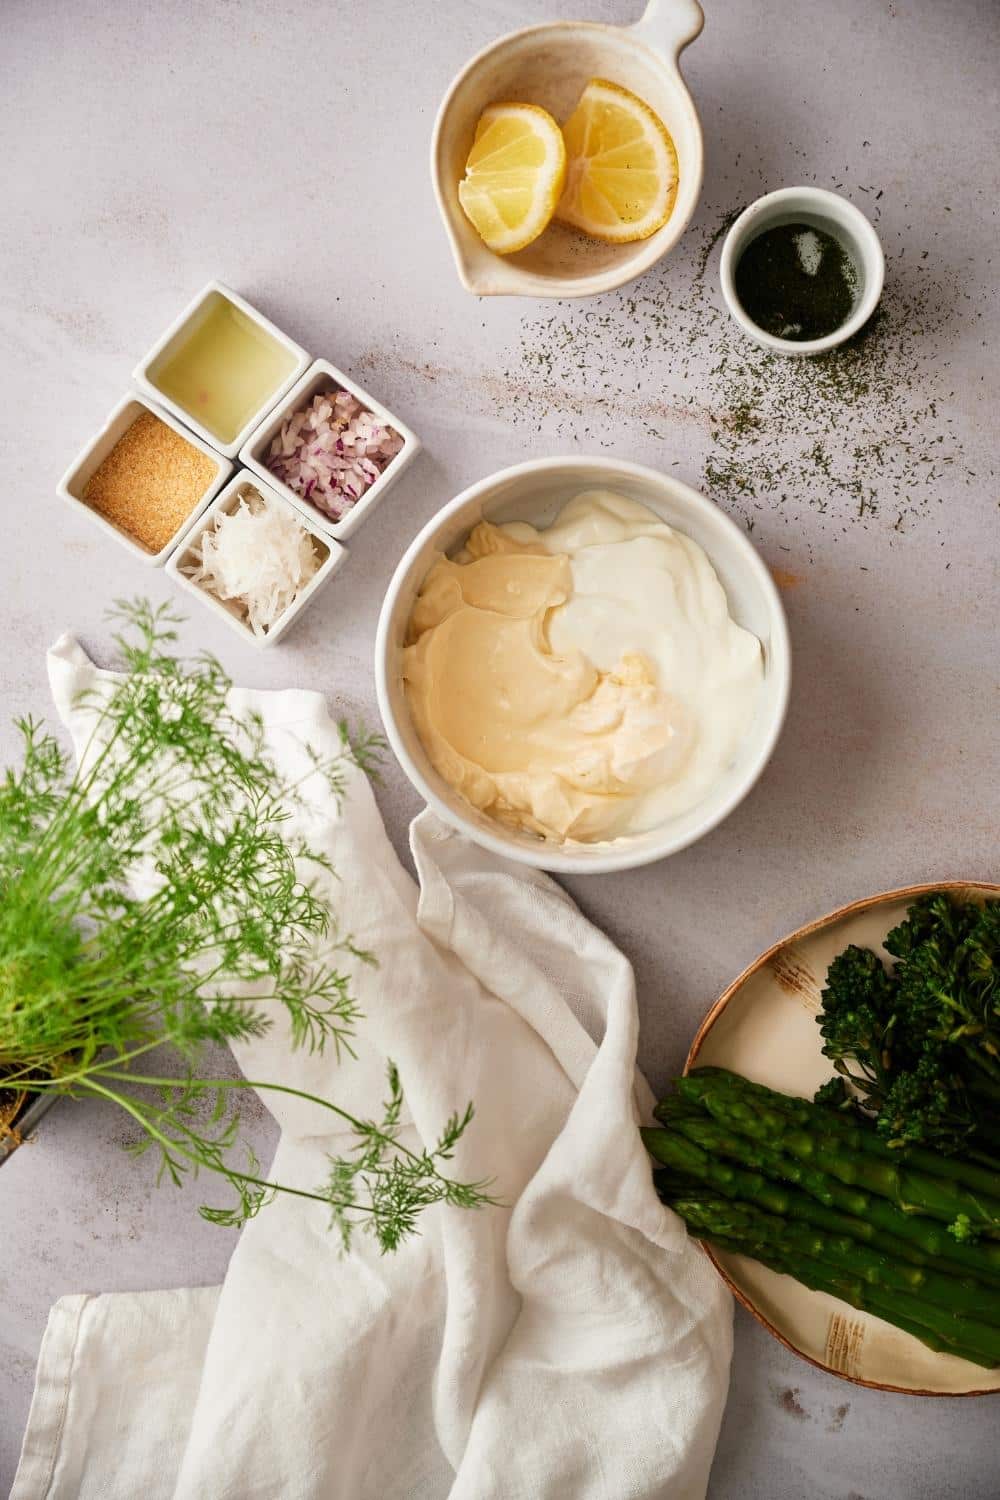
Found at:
[583, 664]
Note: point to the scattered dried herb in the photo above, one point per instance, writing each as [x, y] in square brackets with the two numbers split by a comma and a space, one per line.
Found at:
[863, 436]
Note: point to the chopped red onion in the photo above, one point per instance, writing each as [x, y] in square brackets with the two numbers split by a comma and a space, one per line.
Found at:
[331, 451]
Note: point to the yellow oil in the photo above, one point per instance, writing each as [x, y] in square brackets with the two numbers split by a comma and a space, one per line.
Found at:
[224, 370]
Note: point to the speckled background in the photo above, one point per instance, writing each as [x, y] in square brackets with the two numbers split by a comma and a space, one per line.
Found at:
[283, 148]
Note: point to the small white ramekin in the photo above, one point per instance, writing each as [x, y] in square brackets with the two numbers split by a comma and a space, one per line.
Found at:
[182, 327]
[226, 500]
[322, 376]
[536, 491]
[73, 483]
[828, 211]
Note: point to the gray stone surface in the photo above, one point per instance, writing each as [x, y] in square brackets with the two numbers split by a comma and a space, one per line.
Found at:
[283, 148]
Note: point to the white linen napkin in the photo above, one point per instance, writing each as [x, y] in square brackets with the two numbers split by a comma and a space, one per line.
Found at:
[570, 1345]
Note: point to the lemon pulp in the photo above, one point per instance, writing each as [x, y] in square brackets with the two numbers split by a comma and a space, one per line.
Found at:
[621, 175]
[513, 176]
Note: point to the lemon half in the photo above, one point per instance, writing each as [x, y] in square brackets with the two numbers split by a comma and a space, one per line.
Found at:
[514, 175]
[621, 178]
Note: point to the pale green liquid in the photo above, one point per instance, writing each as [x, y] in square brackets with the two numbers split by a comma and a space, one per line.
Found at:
[224, 371]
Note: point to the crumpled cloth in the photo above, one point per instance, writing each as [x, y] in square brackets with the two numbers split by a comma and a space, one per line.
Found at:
[568, 1345]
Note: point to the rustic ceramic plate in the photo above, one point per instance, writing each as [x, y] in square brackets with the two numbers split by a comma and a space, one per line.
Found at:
[764, 1026]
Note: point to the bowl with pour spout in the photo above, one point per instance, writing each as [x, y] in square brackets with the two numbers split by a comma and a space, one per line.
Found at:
[550, 65]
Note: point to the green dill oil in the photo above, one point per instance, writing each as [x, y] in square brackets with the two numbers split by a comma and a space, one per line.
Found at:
[796, 281]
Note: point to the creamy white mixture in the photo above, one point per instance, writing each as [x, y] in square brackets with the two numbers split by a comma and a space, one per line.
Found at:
[584, 681]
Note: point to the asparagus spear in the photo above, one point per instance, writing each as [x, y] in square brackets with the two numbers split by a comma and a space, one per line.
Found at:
[911, 1190]
[862, 1137]
[838, 1265]
[881, 1260]
[814, 1276]
[873, 1216]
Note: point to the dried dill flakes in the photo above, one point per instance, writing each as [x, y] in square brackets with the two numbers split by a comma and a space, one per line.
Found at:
[796, 281]
[860, 435]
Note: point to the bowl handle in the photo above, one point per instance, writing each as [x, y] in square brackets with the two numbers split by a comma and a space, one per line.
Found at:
[669, 25]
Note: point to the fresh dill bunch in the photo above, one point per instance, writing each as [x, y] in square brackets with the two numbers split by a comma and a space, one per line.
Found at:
[154, 898]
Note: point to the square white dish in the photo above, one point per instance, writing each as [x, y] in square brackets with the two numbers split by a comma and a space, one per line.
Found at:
[73, 483]
[320, 377]
[182, 329]
[227, 500]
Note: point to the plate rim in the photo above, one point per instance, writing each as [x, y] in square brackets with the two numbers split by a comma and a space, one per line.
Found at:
[900, 893]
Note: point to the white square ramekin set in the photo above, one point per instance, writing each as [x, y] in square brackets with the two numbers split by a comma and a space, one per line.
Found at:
[306, 379]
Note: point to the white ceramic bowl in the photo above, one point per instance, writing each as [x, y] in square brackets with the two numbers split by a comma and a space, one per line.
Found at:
[550, 65]
[830, 212]
[227, 500]
[535, 492]
[321, 377]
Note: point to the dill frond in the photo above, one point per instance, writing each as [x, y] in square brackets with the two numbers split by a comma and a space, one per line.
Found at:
[153, 900]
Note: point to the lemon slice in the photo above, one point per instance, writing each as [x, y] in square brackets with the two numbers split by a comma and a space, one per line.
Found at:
[621, 180]
[514, 175]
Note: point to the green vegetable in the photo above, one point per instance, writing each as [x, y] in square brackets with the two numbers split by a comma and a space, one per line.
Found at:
[162, 874]
[911, 1189]
[913, 1268]
[853, 1128]
[856, 1294]
[921, 1043]
[870, 1217]
[820, 1196]
[843, 1268]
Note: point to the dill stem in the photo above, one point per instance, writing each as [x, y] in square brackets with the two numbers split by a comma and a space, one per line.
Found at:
[358, 1126]
[143, 1119]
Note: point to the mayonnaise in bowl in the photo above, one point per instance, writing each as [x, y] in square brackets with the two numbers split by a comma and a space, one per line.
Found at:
[584, 682]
